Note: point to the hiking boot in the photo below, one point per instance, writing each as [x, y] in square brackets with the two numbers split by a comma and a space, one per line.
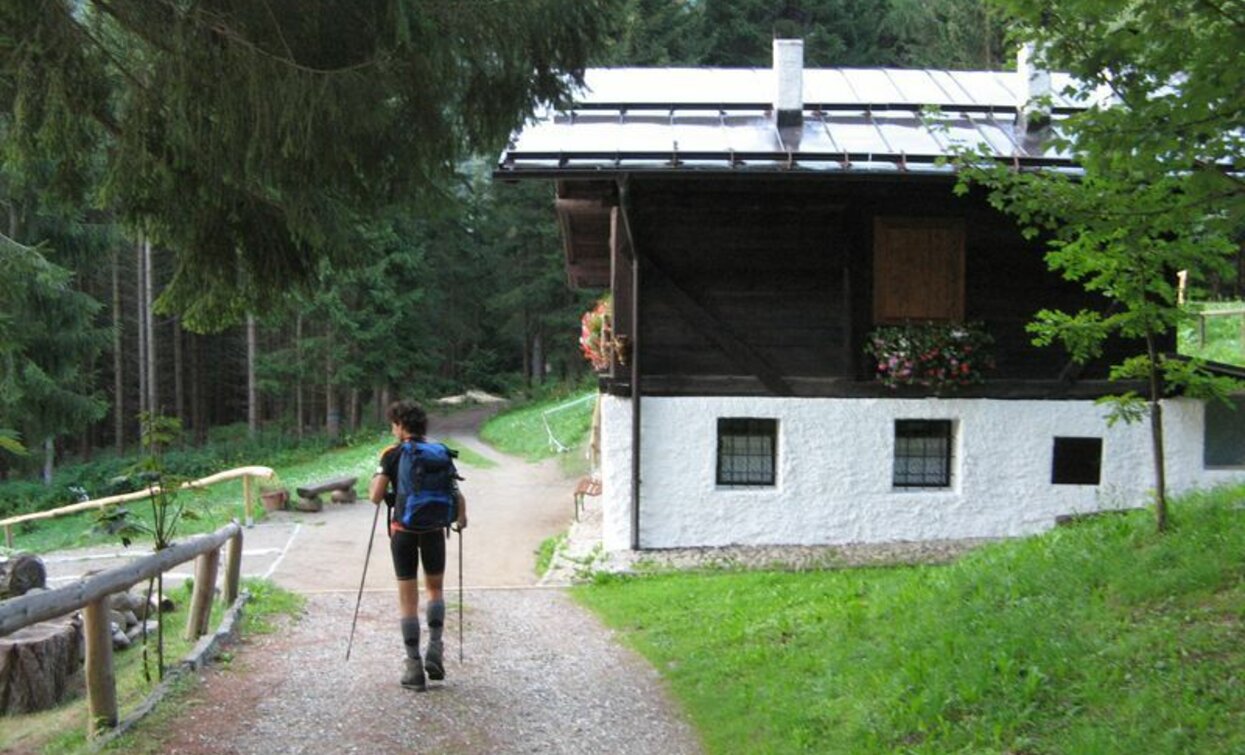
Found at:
[432, 661]
[413, 676]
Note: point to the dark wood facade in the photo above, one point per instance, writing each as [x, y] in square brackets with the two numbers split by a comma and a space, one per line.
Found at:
[766, 285]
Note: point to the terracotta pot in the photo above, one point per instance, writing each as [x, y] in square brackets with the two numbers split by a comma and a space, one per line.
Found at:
[274, 500]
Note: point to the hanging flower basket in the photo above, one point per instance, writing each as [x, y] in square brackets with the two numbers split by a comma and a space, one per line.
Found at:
[595, 334]
[940, 356]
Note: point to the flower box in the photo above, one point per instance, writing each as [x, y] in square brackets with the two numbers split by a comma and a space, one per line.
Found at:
[940, 356]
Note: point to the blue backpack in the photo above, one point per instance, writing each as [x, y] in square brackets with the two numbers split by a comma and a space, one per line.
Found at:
[425, 489]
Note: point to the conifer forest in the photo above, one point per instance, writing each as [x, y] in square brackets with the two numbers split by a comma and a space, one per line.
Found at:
[280, 213]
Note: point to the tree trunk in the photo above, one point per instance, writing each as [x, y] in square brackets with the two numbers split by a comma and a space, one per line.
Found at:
[39, 666]
[355, 399]
[538, 359]
[141, 300]
[527, 353]
[382, 410]
[332, 411]
[1156, 437]
[49, 459]
[252, 393]
[299, 409]
[179, 388]
[153, 400]
[118, 360]
[196, 397]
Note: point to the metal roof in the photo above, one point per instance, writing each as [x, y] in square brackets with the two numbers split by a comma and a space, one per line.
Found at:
[875, 120]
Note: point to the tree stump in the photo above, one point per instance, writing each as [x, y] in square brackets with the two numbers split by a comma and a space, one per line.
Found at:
[40, 666]
[20, 574]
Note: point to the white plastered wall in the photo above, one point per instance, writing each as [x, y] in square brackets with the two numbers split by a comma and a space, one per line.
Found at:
[834, 470]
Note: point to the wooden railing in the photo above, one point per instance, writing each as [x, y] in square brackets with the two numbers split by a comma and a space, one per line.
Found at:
[248, 474]
[91, 595]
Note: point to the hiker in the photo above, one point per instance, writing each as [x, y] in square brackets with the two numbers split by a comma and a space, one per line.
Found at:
[417, 532]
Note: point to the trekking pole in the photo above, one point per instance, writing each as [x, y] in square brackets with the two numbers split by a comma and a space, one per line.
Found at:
[371, 536]
[460, 596]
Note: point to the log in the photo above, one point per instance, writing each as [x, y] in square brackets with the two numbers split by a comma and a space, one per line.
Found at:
[40, 666]
[337, 483]
[20, 574]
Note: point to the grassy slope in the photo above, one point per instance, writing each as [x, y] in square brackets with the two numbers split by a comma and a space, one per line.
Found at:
[1103, 637]
[521, 430]
[222, 502]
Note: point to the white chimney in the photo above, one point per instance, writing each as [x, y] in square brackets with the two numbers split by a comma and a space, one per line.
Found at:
[789, 82]
[1034, 112]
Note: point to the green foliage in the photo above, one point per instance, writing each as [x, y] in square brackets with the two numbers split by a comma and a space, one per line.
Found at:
[48, 342]
[1101, 637]
[255, 139]
[1161, 190]
[926, 33]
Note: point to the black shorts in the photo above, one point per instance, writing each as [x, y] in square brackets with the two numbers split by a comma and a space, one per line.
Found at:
[410, 548]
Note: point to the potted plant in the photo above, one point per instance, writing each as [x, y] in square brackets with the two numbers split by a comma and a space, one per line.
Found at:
[940, 356]
[274, 499]
[595, 334]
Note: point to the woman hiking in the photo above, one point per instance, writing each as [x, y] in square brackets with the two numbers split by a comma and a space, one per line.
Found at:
[426, 501]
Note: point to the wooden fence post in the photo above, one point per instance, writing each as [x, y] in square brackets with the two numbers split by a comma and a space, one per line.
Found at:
[233, 569]
[8, 528]
[101, 683]
[200, 614]
[246, 500]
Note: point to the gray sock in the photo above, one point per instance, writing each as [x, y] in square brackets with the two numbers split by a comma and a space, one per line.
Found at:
[436, 619]
[410, 636]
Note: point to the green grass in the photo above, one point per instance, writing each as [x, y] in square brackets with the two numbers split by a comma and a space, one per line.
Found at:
[63, 729]
[223, 502]
[467, 457]
[1103, 637]
[521, 430]
[213, 507]
[544, 554]
[1223, 342]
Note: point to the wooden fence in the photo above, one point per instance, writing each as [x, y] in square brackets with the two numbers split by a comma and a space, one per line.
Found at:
[248, 475]
[1208, 313]
[91, 596]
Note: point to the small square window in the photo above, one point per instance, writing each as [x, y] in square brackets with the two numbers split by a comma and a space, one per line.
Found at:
[746, 450]
[1076, 461]
[922, 453]
[1224, 435]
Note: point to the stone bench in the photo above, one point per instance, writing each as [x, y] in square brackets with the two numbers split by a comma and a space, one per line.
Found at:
[341, 488]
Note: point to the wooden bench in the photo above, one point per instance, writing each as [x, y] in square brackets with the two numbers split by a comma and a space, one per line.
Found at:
[342, 489]
[585, 486]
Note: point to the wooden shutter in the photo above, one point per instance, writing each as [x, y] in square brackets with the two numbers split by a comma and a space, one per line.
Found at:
[918, 269]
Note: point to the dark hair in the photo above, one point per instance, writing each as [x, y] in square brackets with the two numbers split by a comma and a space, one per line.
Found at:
[410, 416]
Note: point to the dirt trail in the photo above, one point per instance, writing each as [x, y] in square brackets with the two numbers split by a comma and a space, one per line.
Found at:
[511, 508]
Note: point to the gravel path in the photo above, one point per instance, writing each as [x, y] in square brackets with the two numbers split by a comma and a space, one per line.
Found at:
[540, 676]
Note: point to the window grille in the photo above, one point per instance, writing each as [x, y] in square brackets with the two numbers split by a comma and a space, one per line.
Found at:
[1076, 461]
[746, 451]
[1224, 435]
[922, 453]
